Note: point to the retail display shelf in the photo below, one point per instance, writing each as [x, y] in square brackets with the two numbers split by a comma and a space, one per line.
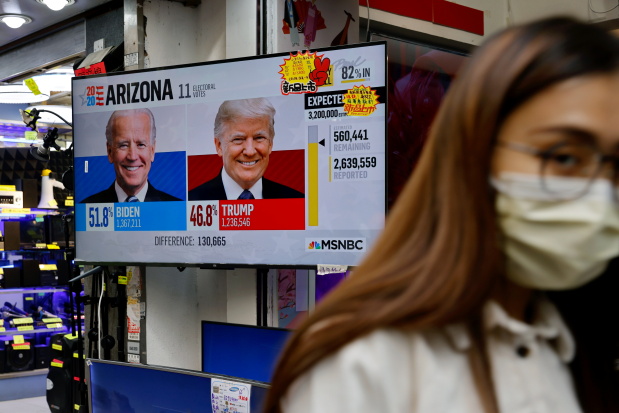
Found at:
[32, 290]
[37, 372]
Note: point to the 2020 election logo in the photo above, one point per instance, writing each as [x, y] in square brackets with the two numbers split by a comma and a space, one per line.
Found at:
[129, 92]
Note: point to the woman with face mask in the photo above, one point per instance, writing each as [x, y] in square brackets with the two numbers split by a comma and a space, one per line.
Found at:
[515, 193]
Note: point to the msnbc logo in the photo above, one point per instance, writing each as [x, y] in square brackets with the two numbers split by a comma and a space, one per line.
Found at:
[336, 244]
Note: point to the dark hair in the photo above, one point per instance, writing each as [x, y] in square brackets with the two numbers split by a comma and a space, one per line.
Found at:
[440, 256]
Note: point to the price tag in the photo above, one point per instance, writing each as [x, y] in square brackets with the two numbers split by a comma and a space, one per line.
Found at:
[32, 85]
[1, 321]
[52, 320]
[25, 320]
[25, 328]
[69, 202]
[122, 280]
[331, 269]
[56, 363]
[57, 347]
[15, 210]
[31, 135]
[18, 339]
[2, 329]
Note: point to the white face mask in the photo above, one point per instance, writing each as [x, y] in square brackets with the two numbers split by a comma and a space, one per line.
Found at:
[556, 245]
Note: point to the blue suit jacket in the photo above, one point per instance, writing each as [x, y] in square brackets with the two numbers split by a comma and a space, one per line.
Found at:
[109, 195]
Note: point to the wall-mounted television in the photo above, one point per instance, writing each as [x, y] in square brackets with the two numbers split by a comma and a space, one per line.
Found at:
[239, 350]
[294, 175]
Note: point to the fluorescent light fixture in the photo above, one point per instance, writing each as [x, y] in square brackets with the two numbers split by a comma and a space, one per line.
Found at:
[56, 4]
[64, 111]
[17, 93]
[56, 80]
[14, 21]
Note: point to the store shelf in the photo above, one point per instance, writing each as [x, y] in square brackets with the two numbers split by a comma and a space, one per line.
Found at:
[33, 290]
[12, 375]
[35, 331]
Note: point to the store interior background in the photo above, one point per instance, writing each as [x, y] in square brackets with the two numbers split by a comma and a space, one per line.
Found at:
[175, 32]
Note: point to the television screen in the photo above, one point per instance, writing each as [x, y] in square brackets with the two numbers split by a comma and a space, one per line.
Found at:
[31, 233]
[268, 160]
[244, 351]
[55, 231]
[132, 388]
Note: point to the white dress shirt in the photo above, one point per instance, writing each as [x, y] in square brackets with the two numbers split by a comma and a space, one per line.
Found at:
[122, 195]
[234, 190]
[394, 371]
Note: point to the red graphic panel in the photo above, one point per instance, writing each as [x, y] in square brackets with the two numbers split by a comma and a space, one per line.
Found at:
[285, 167]
[262, 214]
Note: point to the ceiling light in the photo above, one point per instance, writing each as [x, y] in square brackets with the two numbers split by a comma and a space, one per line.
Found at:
[56, 4]
[56, 80]
[14, 21]
[20, 94]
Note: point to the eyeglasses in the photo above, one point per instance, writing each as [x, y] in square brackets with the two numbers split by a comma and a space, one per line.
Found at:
[568, 169]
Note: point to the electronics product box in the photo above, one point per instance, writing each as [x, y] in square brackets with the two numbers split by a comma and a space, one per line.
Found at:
[11, 199]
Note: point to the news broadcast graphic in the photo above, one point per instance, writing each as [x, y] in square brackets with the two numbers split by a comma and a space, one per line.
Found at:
[270, 160]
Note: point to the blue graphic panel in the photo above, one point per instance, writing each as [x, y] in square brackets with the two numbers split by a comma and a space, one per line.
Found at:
[94, 174]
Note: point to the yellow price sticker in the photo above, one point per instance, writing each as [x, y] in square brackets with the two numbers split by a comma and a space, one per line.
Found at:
[122, 280]
[32, 85]
[69, 202]
[25, 320]
[57, 347]
[25, 328]
[2, 329]
[31, 135]
[18, 339]
[15, 210]
[52, 320]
